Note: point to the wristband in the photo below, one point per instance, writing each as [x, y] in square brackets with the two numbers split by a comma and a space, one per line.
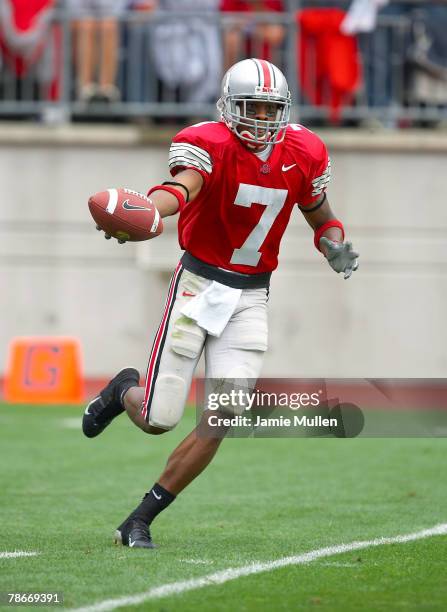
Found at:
[180, 197]
[320, 231]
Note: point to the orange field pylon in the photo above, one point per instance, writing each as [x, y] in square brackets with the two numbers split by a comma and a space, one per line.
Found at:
[44, 370]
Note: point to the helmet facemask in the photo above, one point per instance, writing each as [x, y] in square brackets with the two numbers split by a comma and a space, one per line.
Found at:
[254, 132]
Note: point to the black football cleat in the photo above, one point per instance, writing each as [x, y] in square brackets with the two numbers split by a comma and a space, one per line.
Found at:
[101, 411]
[134, 533]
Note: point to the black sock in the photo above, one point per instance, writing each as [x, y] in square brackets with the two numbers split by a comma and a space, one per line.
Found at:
[124, 388]
[156, 500]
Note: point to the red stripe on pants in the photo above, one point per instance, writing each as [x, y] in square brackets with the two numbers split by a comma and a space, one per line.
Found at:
[157, 342]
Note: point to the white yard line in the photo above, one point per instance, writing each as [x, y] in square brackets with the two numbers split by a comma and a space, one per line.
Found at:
[232, 573]
[197, 561]
[70, 423]
[17, 553]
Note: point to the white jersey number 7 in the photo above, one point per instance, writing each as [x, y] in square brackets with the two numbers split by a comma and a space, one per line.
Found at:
[273, 200]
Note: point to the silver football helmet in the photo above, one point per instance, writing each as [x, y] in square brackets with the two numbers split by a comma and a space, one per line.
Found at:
[253, 80]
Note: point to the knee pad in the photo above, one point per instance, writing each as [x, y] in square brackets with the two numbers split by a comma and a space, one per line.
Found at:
[168, 401]
[187, 338]
[226, 387]
[242, 374]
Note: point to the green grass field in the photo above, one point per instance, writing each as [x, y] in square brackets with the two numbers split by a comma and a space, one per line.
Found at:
[261, 500]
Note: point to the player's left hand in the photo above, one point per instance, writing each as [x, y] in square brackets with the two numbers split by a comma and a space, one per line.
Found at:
[340, 256]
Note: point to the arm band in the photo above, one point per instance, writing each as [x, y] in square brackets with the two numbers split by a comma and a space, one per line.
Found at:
[180, 197]
[320, 230]
[306, 210]
[179, 185]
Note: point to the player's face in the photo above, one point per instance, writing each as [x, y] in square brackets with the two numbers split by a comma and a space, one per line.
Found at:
[254, 113]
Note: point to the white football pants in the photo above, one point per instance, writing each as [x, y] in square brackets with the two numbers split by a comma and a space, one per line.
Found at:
[237, 354]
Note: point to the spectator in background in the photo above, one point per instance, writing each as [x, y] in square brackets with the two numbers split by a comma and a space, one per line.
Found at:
[30, 43]
[405, 62]
[139, 83]
[329, 61]
[378, 45]
[427, 57]
[143, 5]
[96, 33]
[362, 16]
[248, 39]
[186, 51]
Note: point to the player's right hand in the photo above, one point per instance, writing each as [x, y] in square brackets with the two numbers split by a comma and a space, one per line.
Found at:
[340, 256]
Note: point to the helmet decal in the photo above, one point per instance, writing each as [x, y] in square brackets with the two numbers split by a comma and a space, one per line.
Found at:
[266, 74]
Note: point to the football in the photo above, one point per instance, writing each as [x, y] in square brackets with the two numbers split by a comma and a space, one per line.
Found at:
[125, 214]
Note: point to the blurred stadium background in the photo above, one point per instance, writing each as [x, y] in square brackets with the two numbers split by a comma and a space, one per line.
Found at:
[72, 125]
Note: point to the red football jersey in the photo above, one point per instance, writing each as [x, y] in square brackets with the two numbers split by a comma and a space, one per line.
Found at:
[240, 215]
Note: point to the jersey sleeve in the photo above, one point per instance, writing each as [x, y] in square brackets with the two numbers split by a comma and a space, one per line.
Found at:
[190, 150]
[319, 174]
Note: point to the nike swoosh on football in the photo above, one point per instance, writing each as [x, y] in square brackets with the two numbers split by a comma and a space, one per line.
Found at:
[128, 206]
[285, 168]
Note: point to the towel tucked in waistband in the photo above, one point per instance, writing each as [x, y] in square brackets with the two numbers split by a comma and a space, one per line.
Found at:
[213, 307]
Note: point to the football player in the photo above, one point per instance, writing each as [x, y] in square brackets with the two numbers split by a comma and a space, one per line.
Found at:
[234, 185]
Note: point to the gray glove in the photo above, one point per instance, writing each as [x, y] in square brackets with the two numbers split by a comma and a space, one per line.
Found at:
[340, 256]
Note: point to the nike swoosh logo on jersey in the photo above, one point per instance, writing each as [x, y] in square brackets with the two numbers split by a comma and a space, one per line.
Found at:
[187, 294]
[128, 206]
[285, 168]
[156, 496]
